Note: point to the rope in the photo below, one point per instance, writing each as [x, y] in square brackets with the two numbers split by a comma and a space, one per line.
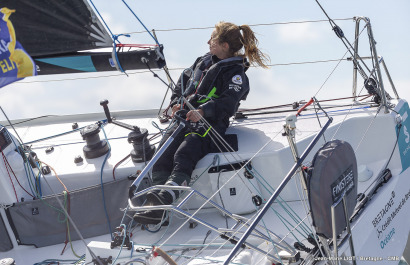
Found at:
[7, 165]
[66, 210]
[155, 39]
[170, 69]
[74, 225]
[188, 219]
[119, 163]
[244, 224]
[281, 202]
[251, 25]
[223, 143]
[12, 184]
[102, 183]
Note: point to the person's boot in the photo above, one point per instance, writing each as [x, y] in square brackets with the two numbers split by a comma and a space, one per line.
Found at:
[154, 216]
[164, 197]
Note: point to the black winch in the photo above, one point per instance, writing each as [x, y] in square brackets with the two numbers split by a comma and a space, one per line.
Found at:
[142, 147]
[95, 147]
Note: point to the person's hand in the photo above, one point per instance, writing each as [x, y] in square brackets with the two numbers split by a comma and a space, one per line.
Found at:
[175, 108]
[194, 115]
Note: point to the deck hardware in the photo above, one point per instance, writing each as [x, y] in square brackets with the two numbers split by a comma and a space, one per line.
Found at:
[45, 170]
[49, 149]
[78, 159]
[94, 146]
[192, 225]
[142, 150]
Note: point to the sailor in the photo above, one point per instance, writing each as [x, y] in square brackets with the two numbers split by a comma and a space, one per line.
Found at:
[214, 86]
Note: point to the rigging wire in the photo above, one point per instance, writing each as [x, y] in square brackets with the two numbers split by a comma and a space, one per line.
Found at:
[188, 219]
[5, 115]
[339, 33]
[337, 65]
[251, 25]
[171, 69]
[216, 134]
[155, 39]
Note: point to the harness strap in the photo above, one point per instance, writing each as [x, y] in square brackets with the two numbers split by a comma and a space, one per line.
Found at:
[210, 95]
[203, 135]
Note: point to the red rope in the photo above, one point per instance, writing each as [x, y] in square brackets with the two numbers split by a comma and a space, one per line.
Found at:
[4, 159]
[7, 164]
[116, 165]
[136, 45]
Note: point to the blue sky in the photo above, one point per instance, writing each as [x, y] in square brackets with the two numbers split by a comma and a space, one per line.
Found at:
[283, 43]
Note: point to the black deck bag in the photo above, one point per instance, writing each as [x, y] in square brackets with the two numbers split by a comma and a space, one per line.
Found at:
[333, 172]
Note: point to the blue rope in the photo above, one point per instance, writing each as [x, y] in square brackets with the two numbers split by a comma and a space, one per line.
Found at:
[39, 179]
[102, 183]
[115, 37]
[28, 175]
[156, 41]
[123, 241]
[36, 186]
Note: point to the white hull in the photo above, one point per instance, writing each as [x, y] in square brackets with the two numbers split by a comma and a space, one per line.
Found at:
[382, 239]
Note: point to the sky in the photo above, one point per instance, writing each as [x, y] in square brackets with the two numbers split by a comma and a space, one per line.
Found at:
[284, 43]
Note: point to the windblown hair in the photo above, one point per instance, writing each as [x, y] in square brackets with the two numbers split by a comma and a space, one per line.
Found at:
[231, 34]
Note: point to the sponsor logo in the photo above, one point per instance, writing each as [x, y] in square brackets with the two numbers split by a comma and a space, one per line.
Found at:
[387, 214]
[407, 134]
[345, 183]
[387, 239]
[237, 88]
[237, 79]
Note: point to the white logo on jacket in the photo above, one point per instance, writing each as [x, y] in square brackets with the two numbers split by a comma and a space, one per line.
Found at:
[237, 79]
[235, 87]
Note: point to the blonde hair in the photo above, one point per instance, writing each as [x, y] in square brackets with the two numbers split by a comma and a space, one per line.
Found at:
[231, 34]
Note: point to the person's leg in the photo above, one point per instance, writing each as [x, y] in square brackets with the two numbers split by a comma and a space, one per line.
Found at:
[164, 165]
[190, 151]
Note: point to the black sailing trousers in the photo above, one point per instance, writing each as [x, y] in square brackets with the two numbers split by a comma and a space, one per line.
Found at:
[180, 158]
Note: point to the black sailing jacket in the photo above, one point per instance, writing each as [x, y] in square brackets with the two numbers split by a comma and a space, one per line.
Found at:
[215, 86]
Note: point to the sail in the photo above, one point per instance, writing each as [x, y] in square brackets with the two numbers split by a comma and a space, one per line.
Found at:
[53, 32]
[46, 27]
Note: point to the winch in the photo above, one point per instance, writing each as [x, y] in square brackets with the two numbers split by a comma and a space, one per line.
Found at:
[95, 147]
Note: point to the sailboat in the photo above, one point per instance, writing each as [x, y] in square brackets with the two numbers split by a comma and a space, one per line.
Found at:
[321, 181]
